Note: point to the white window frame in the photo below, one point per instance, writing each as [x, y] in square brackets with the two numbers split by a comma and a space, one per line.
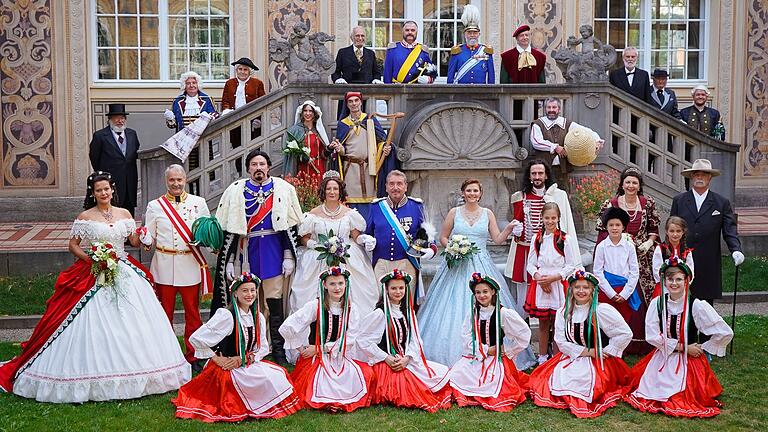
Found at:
[645, 49]
[414, 11]
[162, 28]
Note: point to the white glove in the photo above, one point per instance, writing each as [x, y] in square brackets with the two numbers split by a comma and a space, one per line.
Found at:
[644, 246]
[340, 81]
[738, 258]
[145, 238]
[168, 114]
[429, 254]
[230, 271]
[366, 241]
[517, 230]
[311, 244]
[226, 111]
[423, 79]
[377, 81]
[430, 68]
[288, 266]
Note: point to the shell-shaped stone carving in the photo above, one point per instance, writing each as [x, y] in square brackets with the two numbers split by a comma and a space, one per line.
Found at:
[450, 135]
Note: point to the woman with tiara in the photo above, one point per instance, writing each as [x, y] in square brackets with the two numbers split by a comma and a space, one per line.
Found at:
[104, 334]
[446, 305]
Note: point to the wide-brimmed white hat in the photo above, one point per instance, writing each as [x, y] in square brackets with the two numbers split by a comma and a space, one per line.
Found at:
[703, 165]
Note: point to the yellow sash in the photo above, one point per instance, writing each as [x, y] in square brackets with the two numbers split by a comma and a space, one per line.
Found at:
[408, 63]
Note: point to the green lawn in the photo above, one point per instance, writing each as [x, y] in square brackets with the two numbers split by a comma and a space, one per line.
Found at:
[27, 295]
[742, 375]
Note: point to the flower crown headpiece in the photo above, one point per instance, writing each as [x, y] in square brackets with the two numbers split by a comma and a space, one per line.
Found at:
[478, 278]
[583, 275]
[244, 278]
[675, 261]
[335, 271]
[396, 274]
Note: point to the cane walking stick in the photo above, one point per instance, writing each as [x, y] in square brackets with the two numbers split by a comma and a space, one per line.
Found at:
[733, 312]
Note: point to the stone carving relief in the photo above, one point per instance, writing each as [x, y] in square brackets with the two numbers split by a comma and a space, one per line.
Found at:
[546, 22]
[29, 154]
[305, 56]
[282, 16]
[452, 135]
[589, 64]
[755, 152]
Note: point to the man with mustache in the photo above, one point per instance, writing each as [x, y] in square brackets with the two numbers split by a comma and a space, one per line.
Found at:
[471, 63]
[408, 61]
[708, 215]
[177, 266]
[256, 215]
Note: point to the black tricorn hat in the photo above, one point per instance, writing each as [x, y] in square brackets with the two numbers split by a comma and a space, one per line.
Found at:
[116, 109]
[246, 62]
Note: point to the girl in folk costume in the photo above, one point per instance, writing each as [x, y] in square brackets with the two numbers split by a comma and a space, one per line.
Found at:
[674, 245]
[308, 134]
[236, 383]
[485, 375]
[550, 261]
[391, 343]
[588, 376]
[326, 377]
[676, 379]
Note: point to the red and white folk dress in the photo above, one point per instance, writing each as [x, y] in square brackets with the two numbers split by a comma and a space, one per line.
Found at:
[478, 379]
[672, 382]
[261, 389]
[550, 254]
[422, 384]
[663, 252]
[580, 384]
[332, 381]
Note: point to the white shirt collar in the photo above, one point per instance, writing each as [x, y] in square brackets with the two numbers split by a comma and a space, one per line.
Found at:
[521, 50]
[560, 121]
[241, 82]
[629, 71]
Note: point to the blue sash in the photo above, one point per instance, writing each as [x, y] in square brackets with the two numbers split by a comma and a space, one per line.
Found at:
[617, 281]
[389, 215]
[470, 63]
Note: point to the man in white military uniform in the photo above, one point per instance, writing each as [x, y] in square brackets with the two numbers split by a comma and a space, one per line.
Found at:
[176, 266]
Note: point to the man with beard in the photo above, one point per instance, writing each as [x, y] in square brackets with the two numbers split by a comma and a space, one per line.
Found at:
[177, 266]
[538, 187]
[408, 61]
[114, 149]
[631, 78]
[523, 64]
[699, 116]
[471, 63]
[548, 139]
[256, 215]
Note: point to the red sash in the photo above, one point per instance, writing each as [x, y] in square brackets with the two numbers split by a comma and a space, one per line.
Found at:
[186, 235]
[261, 213]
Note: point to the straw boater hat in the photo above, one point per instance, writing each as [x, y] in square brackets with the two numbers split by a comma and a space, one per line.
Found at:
[580, 146]
[703, 165]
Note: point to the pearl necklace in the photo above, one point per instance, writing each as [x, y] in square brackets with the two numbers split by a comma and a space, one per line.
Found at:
[633, 213]
[329, 213]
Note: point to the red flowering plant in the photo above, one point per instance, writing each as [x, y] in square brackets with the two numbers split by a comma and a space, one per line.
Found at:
[105, 260]
[306, 188]
[589, 192]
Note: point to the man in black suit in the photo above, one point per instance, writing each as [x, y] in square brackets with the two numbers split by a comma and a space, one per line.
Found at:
[630, 78]
[355, 64]
[660, 96]
[707, 214]
[115, 149]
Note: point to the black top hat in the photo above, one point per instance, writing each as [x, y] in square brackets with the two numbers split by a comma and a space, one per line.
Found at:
[116, 109]
[660, 73]
[246, 62]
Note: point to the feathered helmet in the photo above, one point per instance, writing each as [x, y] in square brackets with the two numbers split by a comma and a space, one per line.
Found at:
[471, 18]
[478, 278]
[583, 275]
[675, 261]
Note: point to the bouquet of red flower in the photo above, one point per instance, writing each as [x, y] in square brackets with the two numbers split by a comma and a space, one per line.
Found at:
[105, 260]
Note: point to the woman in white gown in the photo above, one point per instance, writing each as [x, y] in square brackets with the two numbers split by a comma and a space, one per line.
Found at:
[346, 223]
[99, 342]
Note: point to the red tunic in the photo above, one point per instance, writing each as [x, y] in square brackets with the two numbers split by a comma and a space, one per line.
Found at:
[529, 75]
[317, 158]
[531, 226]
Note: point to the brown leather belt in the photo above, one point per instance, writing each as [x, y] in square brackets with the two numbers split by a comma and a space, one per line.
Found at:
[169, 251]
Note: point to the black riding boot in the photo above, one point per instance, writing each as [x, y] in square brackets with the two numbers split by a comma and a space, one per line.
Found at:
[275, 320]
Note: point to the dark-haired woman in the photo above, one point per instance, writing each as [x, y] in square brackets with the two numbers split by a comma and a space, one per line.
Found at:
[101, 337]
[346, 223]
[643, 226]
[307, 133]
[236, 383]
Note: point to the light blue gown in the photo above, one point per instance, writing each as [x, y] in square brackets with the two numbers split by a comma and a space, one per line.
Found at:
[449, 300]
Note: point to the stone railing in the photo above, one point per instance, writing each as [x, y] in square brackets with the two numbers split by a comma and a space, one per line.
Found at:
[451, 133]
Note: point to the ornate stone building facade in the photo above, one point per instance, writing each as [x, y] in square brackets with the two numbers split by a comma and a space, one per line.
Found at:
[54, 94]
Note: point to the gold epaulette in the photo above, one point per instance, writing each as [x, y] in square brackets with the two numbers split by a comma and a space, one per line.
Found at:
[391, 45]
[488, 50]
[456, 49]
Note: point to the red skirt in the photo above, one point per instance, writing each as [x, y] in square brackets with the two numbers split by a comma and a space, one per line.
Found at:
[530, 302]
[512, 393]
[404, 389]
[697, 400]
[611, 385]
[303, 377]
[623, 307]
[212, 397]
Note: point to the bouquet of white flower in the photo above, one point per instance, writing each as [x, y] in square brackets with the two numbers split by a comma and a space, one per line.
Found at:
[105, 260]
[332, 249]
[458, 249]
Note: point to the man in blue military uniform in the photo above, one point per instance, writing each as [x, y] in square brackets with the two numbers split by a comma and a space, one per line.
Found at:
[392, 224]
[256, 215]
[471, 63]
[408, 61]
